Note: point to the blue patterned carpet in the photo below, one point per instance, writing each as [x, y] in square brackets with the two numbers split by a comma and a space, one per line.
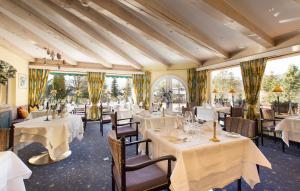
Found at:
[88, 168]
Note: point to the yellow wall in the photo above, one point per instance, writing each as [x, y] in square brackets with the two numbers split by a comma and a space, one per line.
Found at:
[182, 74]
[17, 96]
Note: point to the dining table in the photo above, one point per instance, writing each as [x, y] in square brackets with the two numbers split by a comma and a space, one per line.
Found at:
[12, 172]
[202, 164]
[290, 128]
[156, 119]
[54, 134]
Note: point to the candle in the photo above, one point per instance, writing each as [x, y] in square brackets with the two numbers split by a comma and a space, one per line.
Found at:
[214, 138]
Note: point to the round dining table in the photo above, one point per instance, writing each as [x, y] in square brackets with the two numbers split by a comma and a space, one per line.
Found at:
[54, 134]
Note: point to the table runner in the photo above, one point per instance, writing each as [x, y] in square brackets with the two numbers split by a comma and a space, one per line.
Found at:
[202, 165]
[55, 135]
[12, 172]
[290, 128]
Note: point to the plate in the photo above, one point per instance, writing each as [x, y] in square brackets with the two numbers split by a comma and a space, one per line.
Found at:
[233, 134]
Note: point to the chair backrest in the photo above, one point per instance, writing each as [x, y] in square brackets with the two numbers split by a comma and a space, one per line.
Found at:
[236, 111]
[185, 109]
[4, 139]
[267, 113]
[245, 127]
[117, 149]
[114, 119]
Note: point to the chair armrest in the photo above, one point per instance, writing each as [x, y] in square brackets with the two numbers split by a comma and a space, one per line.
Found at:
[270, 120]
[137, 142]
[150, 162]
[130, 118]
[131, 123]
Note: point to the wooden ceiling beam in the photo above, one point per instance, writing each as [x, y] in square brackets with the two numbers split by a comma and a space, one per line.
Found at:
[291, 45]
[103, 22]
[14, 49]
[82, 67]
[122, 16]
[87, 29]
[26, 14]
[12, 26]
[240, 23]
[151, 9]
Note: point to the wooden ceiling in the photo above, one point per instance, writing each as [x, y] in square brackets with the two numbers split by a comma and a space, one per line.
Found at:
[150, 34]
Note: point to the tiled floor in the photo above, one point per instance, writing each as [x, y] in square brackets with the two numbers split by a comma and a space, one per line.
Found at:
[88, 168]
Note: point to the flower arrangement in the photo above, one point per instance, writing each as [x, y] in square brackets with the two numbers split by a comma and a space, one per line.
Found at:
[53, 100]
[6, 71]
[166, 96]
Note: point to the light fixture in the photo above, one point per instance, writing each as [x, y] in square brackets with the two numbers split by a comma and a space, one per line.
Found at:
[278, 90]
[54, 56]
[84, 3]
[215, 91]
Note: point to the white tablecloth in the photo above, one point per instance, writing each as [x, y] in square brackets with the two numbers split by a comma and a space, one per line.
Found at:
[202, 165]
[12, 172]
[290, 128]
[55, 135]
[156, 121]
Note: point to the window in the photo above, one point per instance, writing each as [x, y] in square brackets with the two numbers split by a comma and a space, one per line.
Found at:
[116, 89]
[73, 87]
[175, 86]
[223, 82]
[286, 73]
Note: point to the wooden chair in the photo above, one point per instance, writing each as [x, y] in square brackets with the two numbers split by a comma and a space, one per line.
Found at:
[139, 172]
[245, 127]
[234, 112]
[124, 129]
[7, 138]
[268, 123]
[185, 109]
[82, 113]
[104, 118]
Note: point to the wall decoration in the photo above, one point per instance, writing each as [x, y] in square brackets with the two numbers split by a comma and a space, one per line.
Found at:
[22, 81]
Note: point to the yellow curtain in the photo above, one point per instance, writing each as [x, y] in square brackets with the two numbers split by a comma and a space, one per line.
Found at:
[95, 84]
[37, 86]
[202, 85]
[252, 74]
[192, 83]
[138, 84]
[147, 89]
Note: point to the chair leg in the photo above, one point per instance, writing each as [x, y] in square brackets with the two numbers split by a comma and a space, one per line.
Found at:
[113, 186]
[101, 128]
[262, 138]
[130, 139]
[283, 146]
[274, 137]
[137, 145]
[239, 184]
[257, 166]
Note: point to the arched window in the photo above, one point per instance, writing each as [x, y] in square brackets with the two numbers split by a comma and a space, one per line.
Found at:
[171, 84]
